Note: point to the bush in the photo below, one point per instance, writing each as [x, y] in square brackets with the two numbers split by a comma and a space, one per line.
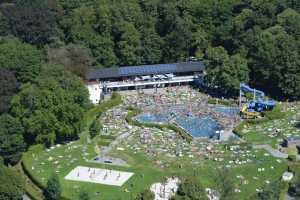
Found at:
[145, 195]
[190, 188]
[292, 157]
[53, 189]
[272, 191]
[95, 128]
[274, 114]
[239, 128]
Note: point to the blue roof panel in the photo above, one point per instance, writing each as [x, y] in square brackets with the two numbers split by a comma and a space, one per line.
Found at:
[147, 69]
[126, 71]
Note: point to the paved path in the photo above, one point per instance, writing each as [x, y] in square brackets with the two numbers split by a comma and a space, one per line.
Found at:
[274, 152]
[107, 149]
[104, 159]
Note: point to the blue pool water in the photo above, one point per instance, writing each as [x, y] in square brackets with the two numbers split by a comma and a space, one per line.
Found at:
[151, 118]
[227, 110]
[196, 126]
[199, 126]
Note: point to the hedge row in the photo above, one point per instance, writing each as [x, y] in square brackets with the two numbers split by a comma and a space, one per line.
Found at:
[31, 196]
[132, 112]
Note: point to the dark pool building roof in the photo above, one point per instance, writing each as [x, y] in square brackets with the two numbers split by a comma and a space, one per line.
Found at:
[127, 71]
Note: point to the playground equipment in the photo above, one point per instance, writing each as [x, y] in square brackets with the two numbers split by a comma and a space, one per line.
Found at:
[253, 108]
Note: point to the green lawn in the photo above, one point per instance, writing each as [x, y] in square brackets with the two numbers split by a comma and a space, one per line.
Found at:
[259, 138]
[146, 172]
[261, 133]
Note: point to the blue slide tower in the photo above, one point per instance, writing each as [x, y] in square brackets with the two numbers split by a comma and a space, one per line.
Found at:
[259, 103]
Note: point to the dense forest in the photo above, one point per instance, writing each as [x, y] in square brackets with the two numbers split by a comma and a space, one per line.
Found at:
[46, 47]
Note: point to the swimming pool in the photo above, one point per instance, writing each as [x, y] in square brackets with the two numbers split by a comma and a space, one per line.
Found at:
[227, 110]
[196, 126]
[199, 126]
[153, 118]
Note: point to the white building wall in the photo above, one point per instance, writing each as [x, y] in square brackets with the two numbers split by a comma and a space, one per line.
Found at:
[95, 92]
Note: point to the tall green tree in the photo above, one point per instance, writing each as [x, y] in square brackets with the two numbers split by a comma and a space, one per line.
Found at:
[276, 64]
[74, 58]
[34, 21]
[23, 59]
[290, 20]
[8, 87]
[177, 42]
[11, 139]
[191, 189]
[270, 192]
[225, 184]
[51, 110]
[12, 185]
[200, 42]
[128, 44]
[53, 189]
[83, 195]
[4, 25]
[95, 128]
[226, 72]
[151, 43]
[81, 27]
[145, 195]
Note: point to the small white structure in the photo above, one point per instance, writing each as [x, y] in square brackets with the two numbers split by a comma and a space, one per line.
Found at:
[95, 91]
[287, 176]
[164, 191]
[97, 175]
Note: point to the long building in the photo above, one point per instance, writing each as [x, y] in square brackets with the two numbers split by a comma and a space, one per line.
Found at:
[102, 81]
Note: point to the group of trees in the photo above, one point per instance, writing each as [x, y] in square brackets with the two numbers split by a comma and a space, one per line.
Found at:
[49, 109]
[42, 99]
[241, 41]
[46, 45]
[190, 189]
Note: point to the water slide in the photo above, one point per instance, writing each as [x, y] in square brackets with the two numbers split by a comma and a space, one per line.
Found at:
[258, 105]
[246, 89]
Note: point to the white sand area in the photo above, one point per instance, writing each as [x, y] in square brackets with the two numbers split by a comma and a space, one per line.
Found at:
[97, 175]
